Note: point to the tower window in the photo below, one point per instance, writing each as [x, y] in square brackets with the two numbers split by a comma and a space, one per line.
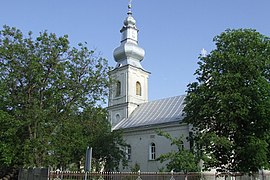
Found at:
[118, 89]
[152, 151]
[138, 88]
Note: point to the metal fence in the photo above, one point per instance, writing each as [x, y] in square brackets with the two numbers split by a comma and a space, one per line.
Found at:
[124, 176]
[54, 175]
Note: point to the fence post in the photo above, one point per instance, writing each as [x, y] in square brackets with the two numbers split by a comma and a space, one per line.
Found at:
[172, 178]
[139, 175]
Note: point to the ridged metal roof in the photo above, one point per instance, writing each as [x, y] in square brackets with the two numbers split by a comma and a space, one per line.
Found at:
[154, 113]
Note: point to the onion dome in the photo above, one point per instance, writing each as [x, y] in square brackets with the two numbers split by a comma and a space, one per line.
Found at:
[129, 53]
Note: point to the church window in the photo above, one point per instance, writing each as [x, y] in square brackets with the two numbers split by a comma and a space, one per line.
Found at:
[138, 88]
[118, 89]
[181, 145]
[128, 151]
[152, 151]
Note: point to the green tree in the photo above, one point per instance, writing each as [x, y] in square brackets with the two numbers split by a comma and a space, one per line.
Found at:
[50, 95]
[87, 128]
[8, 139]
[229, 105]
[182, 160]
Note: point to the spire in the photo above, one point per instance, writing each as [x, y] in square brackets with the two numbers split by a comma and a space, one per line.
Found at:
[129, 7]
[129, 53]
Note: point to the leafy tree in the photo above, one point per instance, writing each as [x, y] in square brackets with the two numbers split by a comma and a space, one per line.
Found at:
[108, 146]
[50, 95]
[88, 128]
[229, 105]
[8, 139]
[182, 160]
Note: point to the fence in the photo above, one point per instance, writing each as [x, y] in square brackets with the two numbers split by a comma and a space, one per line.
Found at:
[124, 176]
[154, 176]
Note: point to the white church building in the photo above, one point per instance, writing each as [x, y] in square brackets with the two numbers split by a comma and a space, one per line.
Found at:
[131, 112]
[138, 118]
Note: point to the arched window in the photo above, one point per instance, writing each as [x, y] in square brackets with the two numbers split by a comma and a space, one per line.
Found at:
[138, 88]
[128, 152]
[181, 145]
[152, 151]
[118, 89]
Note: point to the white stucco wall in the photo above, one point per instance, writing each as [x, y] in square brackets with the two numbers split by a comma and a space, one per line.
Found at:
[140, 140]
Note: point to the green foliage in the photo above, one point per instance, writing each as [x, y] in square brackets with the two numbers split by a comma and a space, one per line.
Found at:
[50, 95]
[182, 160]
[8, 139]
[229, 106]
[135, 168]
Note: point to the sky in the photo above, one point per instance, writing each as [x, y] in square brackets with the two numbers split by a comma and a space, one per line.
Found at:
[172, 32]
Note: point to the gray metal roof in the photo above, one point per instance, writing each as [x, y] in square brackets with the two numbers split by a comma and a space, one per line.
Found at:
[155, 112]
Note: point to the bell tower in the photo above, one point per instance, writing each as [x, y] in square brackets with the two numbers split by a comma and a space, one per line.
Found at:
[130, 80]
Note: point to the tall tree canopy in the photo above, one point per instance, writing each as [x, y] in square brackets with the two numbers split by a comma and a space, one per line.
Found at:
[49, 96]
[229, 105]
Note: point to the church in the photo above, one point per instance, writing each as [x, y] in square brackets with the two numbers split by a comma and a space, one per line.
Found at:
[131, 112]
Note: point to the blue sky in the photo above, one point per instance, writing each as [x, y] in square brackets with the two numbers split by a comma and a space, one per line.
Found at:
[172, 32]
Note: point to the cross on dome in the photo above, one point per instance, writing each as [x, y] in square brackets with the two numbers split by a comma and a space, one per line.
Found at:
[129, 6]
[203, 53]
